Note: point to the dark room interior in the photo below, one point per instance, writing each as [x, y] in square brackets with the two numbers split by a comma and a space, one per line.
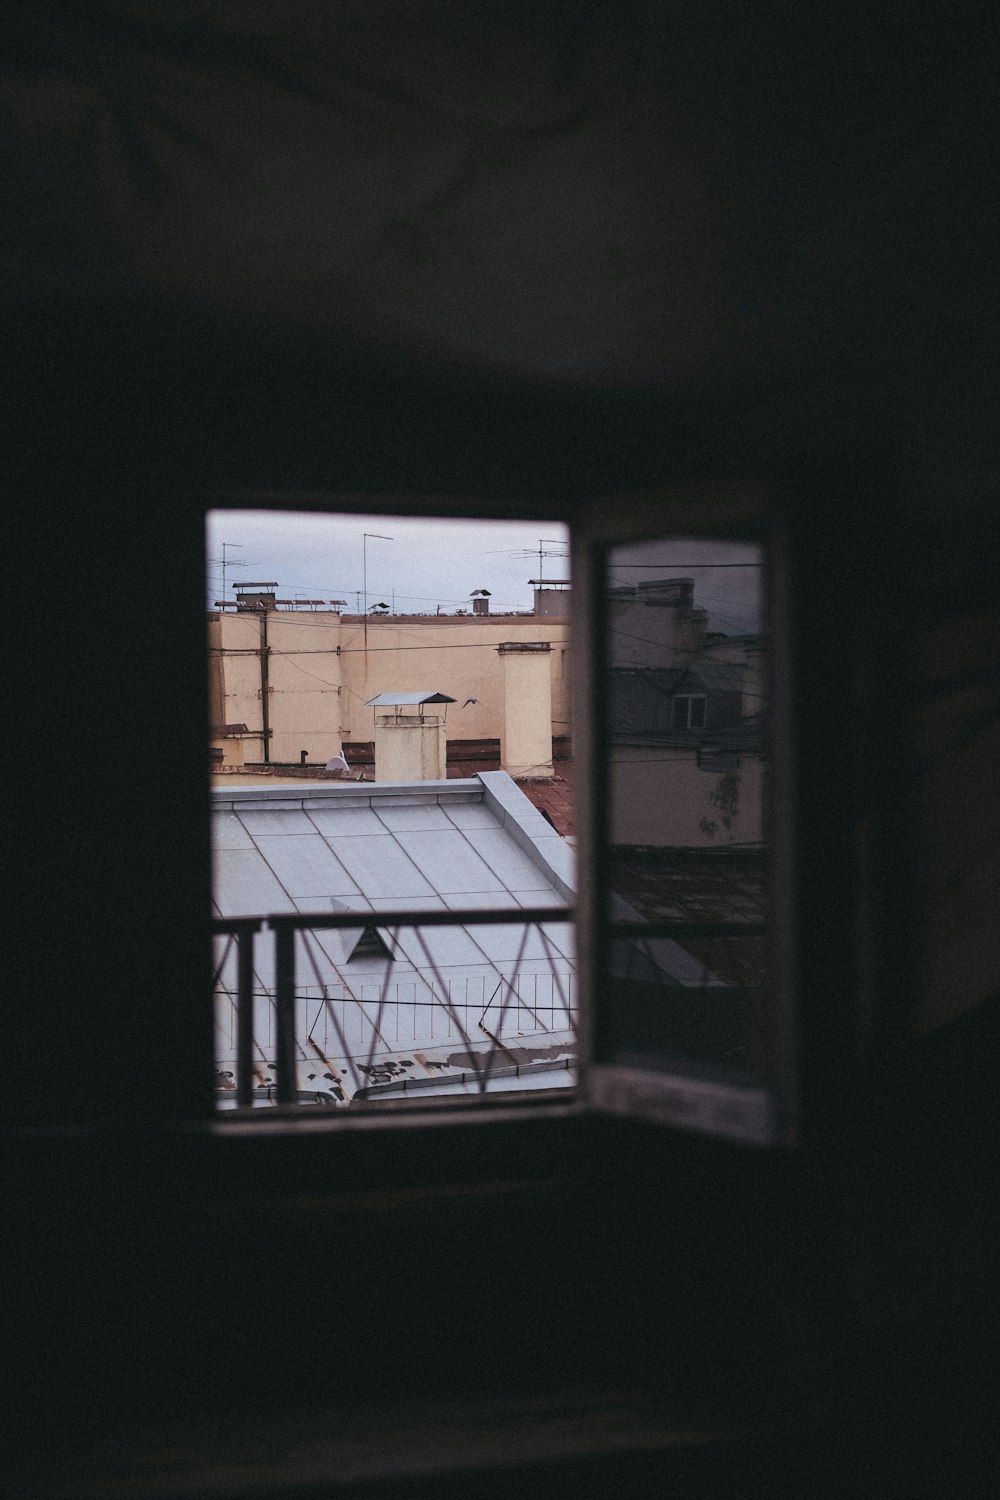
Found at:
[718, 268]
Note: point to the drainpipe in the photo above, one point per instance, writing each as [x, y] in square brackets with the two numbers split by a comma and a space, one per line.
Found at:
[264, 714]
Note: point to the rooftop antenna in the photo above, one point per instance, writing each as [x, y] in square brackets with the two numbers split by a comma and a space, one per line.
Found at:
[548, 546]
[368, 536]
[228, 562]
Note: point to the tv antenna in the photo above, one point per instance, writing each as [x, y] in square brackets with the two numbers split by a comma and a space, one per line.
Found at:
[230, 562]
[548, 546]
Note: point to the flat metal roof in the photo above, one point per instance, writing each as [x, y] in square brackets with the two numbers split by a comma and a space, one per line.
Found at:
[365, 1018]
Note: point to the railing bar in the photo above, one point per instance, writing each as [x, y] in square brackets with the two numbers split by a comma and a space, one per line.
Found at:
[338, 1026]
[383, 993]
[505, 1006]
[244, 1016]
[555, 979]
[404, 918]
[685, 929]
[284, 1005]
[448, 1007]
[227, 949]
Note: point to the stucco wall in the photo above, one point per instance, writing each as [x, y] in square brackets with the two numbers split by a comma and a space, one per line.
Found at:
[409, 748]
[305, 685]
[317, 698]
[451, 654]
[661, 797]
[526, 727]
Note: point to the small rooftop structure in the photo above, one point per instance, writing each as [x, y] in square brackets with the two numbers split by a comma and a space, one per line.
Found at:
[409, 746]
[407, 700]
[551, 595]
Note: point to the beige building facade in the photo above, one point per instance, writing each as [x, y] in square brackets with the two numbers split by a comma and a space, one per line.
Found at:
[661, 797]
[305, 676]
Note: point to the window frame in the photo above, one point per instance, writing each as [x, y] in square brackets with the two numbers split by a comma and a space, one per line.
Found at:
[684, 1106]
[726, 511]
[690, 699]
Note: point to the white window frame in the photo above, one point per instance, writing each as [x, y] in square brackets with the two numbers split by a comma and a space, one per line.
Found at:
[690, 699]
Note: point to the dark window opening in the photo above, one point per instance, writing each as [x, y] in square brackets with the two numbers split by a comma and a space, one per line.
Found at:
[689, 711]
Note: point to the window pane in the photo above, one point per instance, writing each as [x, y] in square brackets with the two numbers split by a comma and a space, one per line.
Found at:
[392, 818]
[685, 984]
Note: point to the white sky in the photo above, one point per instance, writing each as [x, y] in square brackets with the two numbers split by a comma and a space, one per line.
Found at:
[431, 563]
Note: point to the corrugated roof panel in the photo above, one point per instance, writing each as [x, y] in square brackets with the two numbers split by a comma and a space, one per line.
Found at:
[380, 866]
[414, 903]
[306, 866]
[548, 897]
[449, 861]
[480, 900]
[349, 820]
[562, 937]
[245, 885]
[273, 820]
[399, 846]
[469, 815]
[508, 862]
[502, 943]
[448, 947]
[422, 816]
[228, 832]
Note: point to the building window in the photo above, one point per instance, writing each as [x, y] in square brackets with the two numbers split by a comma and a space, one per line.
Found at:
[688, 711]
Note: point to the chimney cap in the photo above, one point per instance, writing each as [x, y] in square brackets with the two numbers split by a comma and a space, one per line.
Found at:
[399, 700]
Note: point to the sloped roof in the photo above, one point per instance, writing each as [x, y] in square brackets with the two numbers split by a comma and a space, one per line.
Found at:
[715, 676]
[371, 848]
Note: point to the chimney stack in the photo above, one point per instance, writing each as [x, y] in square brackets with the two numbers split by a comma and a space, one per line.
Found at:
[526, 725]
[410, 743]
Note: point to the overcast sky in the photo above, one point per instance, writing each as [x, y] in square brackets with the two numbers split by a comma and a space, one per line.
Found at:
[438, 563]
[727, 576]
[426, 564]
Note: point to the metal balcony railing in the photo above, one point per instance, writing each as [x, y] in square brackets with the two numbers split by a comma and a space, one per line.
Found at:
[294, 1000]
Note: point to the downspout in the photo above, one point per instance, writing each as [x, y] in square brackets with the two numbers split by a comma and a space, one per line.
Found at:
[264, 690]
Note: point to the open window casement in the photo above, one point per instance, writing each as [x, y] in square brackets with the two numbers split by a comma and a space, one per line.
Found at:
[685, 847]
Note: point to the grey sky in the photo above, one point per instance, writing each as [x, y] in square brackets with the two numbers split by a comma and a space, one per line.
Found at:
[432, 563]
[727, 576]
[428, 563]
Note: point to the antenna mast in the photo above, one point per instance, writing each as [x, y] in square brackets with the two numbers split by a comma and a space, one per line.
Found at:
[225, 562]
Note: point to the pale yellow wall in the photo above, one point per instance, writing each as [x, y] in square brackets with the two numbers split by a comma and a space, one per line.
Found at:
[303, 681]
[659, 795]
[452, 654]
[305, 687]
[526, 727]
[240, 701]
[215, 689]
[409, 748]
